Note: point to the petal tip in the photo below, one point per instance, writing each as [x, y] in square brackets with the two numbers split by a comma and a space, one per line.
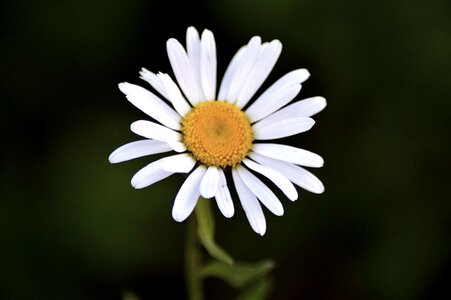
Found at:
[293, 197]
[207, 32]
[178, 217]
[144, 71]
[136, 185]
[170, 43]
[277, 43]
[123, 87]
[256, 38]
[323, 102]
[305, 74]
[319, 190]
[280, 213]
[228, 215]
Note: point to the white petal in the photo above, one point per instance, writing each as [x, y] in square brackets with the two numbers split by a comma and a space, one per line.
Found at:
[296, 174]
[260, 190]
[157, 132]
[138, 149]
[230, 73]
[306, 179]
[275, 129]
[272, 102]
[246, 64]
[174, 95]
[278, 95]
[223, 197]
[210, 183]
[154, 81]
[251, 205]
[187, 197]
[151, 105]
[290, 154]
[260, 71]
[193, 51]
[177, 146]
[149, 175]
[183, 70]
[180, 163]
[208, 65]
[164, 84]
[304, 108]
[279, 179]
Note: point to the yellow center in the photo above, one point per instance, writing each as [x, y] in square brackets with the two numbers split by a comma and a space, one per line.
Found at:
[217, 134]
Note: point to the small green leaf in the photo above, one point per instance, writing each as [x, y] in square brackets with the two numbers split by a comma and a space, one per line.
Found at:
[206, 231]
[238, 275]
[257, 291]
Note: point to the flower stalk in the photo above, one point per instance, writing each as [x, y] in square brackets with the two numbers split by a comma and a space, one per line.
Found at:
[193, 262]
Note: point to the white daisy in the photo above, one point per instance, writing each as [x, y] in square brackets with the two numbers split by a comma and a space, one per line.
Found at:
[215, 134]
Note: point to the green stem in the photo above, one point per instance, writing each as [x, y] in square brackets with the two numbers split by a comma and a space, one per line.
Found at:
[193, 262]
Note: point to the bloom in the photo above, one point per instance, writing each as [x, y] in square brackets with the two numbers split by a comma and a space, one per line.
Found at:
[217, 134]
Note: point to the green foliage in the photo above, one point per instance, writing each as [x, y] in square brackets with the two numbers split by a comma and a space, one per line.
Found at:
[257, 291]
[250, 279]
[238, 275]
[206, 231]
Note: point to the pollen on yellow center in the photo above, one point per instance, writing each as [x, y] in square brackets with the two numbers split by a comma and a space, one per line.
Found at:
[217, 134]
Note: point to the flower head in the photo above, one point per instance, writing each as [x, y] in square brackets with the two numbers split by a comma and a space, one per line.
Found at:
[214, 134]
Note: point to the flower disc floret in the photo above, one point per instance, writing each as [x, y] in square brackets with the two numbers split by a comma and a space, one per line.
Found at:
[217, 134]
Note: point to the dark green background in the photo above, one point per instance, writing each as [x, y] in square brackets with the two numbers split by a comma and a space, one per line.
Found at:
[72, 227]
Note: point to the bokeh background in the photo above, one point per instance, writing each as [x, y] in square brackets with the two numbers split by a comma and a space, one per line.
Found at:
[72, 227]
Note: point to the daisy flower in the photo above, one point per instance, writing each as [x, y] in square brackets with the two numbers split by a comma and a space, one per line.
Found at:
[215, 134]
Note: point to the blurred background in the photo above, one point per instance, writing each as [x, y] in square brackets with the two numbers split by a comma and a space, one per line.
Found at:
[72, 227]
